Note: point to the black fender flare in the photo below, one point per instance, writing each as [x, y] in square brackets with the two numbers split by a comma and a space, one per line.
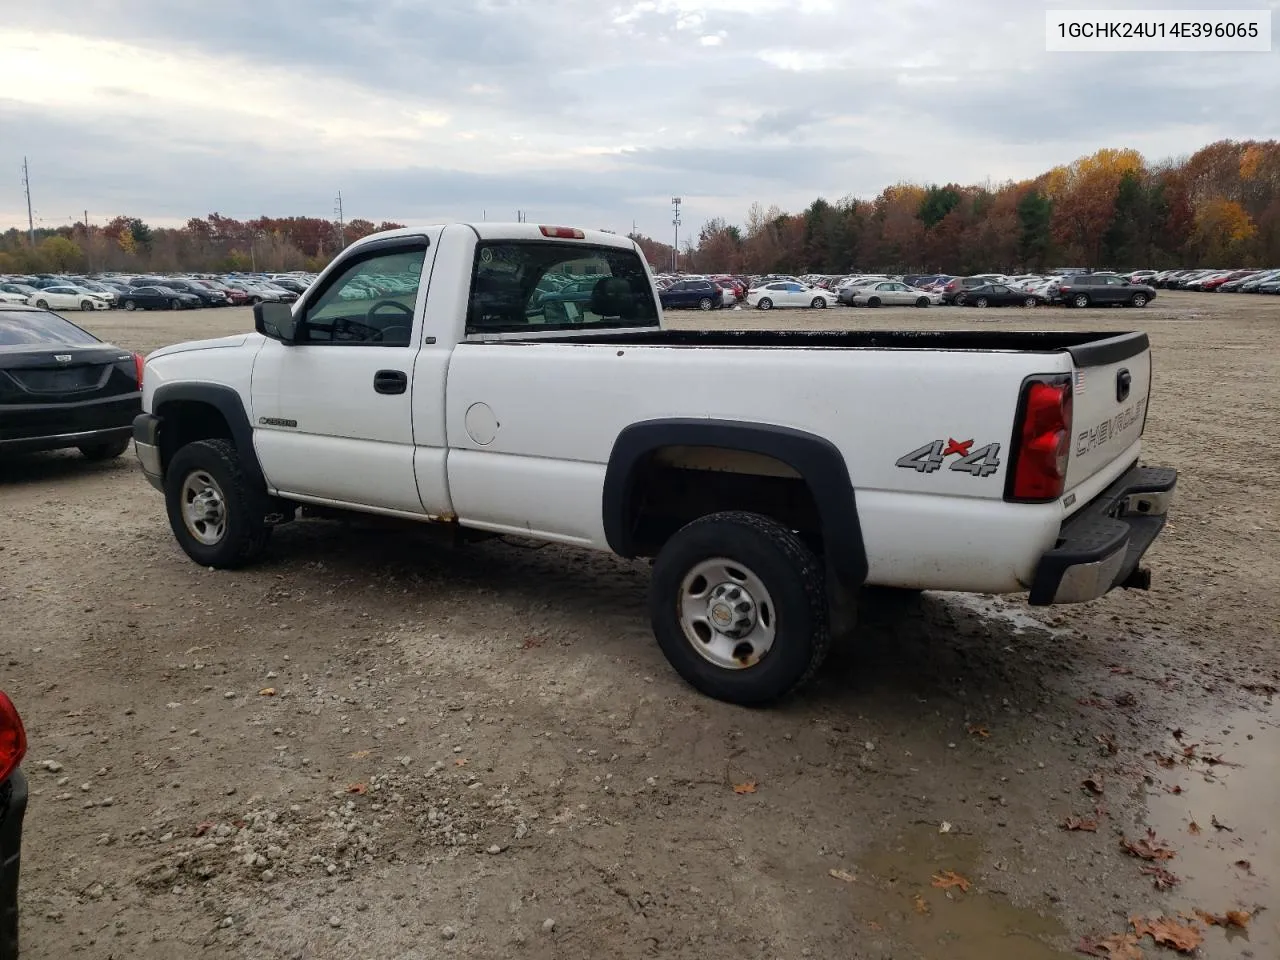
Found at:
[228, 403]
[817, 460]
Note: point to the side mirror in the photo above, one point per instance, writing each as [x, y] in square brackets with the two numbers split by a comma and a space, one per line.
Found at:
[275, 320]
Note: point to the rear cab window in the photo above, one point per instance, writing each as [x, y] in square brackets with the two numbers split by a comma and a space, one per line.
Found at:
[520, 286]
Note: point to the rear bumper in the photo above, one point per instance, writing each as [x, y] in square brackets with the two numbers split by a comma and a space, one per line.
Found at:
[1102, 545]
[64, 441]
[146, 442]
[13, 806]
[57, 426]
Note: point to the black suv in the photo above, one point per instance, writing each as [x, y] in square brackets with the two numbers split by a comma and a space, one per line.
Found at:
[1102, 289]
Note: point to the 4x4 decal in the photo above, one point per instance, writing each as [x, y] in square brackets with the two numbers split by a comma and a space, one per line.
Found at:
[982, 462]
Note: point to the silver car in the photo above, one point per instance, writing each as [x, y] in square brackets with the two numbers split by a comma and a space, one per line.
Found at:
[891, 293]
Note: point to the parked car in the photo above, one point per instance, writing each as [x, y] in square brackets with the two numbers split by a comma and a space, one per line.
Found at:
[1252, 284]
[159, 298]
[997, 295]
[702, 294]
[891, 293]
[787, 293]
[1102, 289]
[960, 285]
[13, 807]
[727, 457]
[1270, 287]
[207, 296]
[67, 297]
[61, 387]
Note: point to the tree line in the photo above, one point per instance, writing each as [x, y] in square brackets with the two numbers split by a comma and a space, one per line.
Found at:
[1218, 207]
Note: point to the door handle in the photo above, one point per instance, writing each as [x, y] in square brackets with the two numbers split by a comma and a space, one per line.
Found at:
[390, 381]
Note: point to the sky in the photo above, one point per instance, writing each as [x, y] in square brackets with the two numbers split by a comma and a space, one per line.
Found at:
[588, 112]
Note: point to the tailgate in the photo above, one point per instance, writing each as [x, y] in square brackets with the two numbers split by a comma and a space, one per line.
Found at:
[1111, 379]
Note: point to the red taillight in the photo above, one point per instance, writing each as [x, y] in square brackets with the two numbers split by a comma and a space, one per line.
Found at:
[1042, 441]
[950, 286]
[13, 738]
[139, 365]
[563, 233]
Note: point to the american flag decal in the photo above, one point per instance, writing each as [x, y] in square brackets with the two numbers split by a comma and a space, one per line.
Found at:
[1079, 384]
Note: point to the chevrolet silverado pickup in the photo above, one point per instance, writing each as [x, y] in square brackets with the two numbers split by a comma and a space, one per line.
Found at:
[768, 476]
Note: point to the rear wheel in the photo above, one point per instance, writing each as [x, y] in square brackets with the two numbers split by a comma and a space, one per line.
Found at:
[1080, 300]
[738, 606]
[1139, 300]
[765, 304]
[980, 301]
[1030, 302]
[873, 302]
[704, 303]
[217, 516]
[105, 451]
[818, 303]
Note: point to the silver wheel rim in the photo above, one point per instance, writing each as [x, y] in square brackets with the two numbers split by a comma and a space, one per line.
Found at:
[979, 302]
[204, 508]
[766, 303]
[1082, 301]
[86, 305]
[704, 304]
[1029, 302]
[1139, 301]
[727, 614]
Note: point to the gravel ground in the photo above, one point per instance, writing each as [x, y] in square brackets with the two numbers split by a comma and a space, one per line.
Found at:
[376, 745]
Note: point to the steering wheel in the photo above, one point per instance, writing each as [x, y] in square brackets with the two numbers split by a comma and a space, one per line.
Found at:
[381, 332]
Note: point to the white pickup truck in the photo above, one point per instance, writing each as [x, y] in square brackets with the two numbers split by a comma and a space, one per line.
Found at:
[462, 375]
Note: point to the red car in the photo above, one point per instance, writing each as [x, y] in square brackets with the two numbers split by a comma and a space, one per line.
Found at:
[1216, 282]
[237, 297]
[13, 804]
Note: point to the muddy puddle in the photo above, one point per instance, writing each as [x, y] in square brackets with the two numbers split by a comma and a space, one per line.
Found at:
[1224, 779]
[911, 889]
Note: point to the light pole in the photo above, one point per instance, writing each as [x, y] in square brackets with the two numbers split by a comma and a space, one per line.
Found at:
[675, 248]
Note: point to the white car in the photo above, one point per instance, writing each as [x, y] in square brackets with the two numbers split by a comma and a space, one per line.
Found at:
[769, 474]
[68, 297]
[786, 293]
[891, 293]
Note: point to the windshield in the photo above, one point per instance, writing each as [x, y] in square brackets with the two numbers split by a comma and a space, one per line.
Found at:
[26, 328]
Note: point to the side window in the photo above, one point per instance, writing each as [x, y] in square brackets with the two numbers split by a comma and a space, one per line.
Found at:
[511, 278]
[371, 301]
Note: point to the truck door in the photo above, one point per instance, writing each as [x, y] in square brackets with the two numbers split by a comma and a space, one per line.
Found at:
[334, 413]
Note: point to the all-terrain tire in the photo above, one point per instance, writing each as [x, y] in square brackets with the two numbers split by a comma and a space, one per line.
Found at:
[246, 530]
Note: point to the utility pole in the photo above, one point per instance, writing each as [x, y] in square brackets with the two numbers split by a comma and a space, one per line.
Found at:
[675, 248]
[342, 230]
[26, 185]
[521, 217]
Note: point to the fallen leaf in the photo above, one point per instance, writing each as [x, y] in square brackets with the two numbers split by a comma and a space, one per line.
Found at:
[1218, 825]
[921, 906]
[844, 875]
[1161, 877]
[874, 927]
[1118, 946]
[1164, 760]
[1232, 918]
[1092, 783]
[461, 762]
[205, 827]
[359, 788]
[977, 731]
[1149, 847]
[1080, 823]
[360, 754]
[1193, 827]
[748, 787]
[1170, 933]
[267, 692]
[949, 878]
[1215, 760]
[530, 642]
[1245, 865]
[1109, 743]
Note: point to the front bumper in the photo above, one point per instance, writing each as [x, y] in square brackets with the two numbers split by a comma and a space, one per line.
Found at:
[1102, 545]
[13, 806]
[146, 442]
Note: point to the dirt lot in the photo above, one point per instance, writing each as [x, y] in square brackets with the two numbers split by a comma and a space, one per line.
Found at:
[481, 753]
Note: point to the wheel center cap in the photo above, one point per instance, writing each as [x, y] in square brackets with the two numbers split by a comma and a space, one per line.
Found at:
[731, 610]
[721, 614]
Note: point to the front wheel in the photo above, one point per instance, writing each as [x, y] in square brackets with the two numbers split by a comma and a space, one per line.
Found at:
[130, 305]
[818, 303]
[1139, 300]
[86, 304]
[217, 516]
[1029, 301]
[980, 301]
[42, 304]
[765, 304]
[738, 606]
[922, 302]
[705, 303]
[105, 451]
[175, 304]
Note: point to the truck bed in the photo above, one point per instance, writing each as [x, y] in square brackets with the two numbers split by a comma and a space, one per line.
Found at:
[1087, 348]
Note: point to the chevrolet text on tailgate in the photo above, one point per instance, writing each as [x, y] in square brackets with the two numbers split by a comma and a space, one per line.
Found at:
[434, 374]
